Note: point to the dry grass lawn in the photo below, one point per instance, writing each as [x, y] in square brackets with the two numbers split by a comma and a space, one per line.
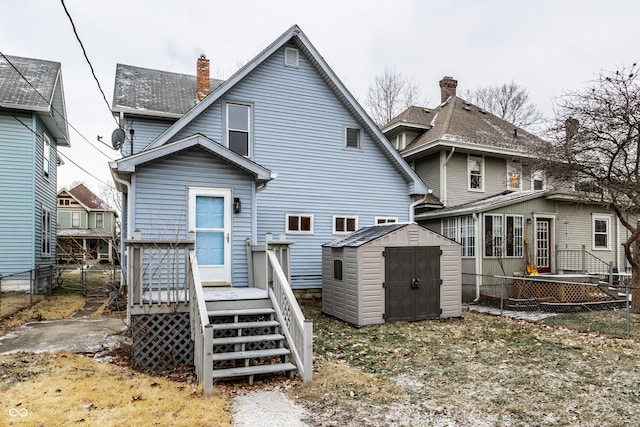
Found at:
[477, 371]
[53, 307]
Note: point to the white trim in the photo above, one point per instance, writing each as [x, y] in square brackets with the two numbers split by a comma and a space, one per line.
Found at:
[46, 156]
[346, 219]
[45, 235]
[601, 216]
[534, 176]
[79, 219]
[299, 215]
[506, 235]
[533, 250]
[249, 129]
[482, 173]
[518, 169]
[386, 219]
[484, 236]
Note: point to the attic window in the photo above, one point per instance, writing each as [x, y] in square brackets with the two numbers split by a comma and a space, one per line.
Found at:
[291, 57]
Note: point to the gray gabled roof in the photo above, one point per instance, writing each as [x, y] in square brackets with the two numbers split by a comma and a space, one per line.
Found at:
[296, 36]
[457, 122]
[35, 85]
[153, 92]
[127, 165]
[365, 235]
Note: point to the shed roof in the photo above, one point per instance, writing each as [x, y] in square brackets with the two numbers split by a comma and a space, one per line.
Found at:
[365, 235]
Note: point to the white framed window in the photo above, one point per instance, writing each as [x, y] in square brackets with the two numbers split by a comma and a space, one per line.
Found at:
[46, 232]
[239, 128]
[352, 137]
[462, 230]
[601, 224]
[476, 173]
[344, 224]
[493, 235]
[75, 219]
[99, 220]
[63, 202]
[299, 223]
[385, 220]
[291, 57]
[514, 176]
[514, 239]
[537, 180]
[46, 155]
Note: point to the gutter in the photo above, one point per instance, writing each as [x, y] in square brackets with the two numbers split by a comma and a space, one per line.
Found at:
[443, 183]
[478, 257]
[119, 180]
[412, 206]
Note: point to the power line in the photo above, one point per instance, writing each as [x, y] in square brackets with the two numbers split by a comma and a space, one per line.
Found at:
[73, 26]
[53, 108]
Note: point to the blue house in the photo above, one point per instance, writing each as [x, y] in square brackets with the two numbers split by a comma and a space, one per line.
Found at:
[32, 126]
[226, 175]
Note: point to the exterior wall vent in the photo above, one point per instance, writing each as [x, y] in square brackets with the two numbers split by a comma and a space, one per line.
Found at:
[291, 57]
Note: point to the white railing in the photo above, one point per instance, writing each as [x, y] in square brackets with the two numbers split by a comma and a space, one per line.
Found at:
[201, 330]
[297, 329]
[584, 262]
[157, 273]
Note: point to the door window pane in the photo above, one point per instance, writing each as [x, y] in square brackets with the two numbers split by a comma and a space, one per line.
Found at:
[209, 212]
[210, 247]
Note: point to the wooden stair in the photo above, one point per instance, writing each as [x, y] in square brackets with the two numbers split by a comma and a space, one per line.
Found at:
[248, 342]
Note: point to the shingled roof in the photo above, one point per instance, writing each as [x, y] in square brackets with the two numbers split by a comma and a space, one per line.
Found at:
[153, 92]
[459, 121]
[88, 198]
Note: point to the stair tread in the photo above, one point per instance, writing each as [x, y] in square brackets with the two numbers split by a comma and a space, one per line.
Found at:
[252, 354]
[253, 370]
[241, 312]
[238, 325]
[248, 339]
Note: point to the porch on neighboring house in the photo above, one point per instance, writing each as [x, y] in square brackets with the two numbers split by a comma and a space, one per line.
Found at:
[580, 281]
[74, 245]
[223, 331]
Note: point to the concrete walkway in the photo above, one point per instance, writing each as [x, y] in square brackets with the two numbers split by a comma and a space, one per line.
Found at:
[531, 316]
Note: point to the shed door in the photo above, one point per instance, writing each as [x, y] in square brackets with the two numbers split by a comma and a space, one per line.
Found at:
[412, 283]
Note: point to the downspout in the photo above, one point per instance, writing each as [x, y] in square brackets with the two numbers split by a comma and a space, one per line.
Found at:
[412, 206]
[119, 180]
[478, 257]
[443, 184]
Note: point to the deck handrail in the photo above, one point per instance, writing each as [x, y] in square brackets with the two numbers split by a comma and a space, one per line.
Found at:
[297, 329]
[583, 261]
[201, 328]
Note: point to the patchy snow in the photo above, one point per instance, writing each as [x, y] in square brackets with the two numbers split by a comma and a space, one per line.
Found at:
[267, 409]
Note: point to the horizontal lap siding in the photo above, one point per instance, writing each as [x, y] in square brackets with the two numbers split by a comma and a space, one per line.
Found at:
[45, 197]
[145, 131]
[17, 220]
[495, 175]
[161, 199]
[299, 134]
[428, 168]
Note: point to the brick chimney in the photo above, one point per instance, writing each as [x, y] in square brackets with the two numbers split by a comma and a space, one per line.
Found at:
[571, 128]
[203, 85]
[448, 87]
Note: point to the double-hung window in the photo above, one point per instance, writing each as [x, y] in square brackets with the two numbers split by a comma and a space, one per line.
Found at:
[514, 175]
[462, 230]
[99, 220]
[75, 219]
[46, 155]
[239, 128]
[493, 235]
[601, 231]
[46, 232]
[476, 172]
[515, 236]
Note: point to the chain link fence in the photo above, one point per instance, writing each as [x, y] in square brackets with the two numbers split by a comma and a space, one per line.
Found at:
[23, 289]
[583, 302]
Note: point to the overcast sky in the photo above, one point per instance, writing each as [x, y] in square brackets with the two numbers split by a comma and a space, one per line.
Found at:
[549, 47]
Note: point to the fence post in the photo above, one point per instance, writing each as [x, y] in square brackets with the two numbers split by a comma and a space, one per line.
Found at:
[584, 259]
[31, 286]
[611, 274]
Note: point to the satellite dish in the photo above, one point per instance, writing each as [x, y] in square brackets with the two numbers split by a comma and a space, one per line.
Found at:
[117, 138]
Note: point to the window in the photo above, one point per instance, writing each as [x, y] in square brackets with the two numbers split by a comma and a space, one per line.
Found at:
[352, 137]
[386, 219]
[238, 128]
[291, 56]
[493, 235]
[344, 224]
[337, 269]
[46, 232]
[75, 219]
[46, 155]
[299, 224]
[462, 230]
[476, 166]
[601, 231]
[537, 179]
[99, 220]
[513, 176]
[63, 202]
[515, 234]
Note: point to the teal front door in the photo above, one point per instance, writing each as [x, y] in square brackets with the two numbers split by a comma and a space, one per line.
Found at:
[209, 217]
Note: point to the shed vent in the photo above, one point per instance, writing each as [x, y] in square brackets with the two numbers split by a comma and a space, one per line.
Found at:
[291, 57]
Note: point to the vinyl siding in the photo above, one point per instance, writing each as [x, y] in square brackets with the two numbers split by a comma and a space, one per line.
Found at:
[145, 131]
[372, 298]
[45, 197]
[161, 190]
[428, 169]
[458, 193]
[17, 223]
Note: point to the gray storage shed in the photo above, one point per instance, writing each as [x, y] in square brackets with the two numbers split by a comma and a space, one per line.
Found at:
[391, 272]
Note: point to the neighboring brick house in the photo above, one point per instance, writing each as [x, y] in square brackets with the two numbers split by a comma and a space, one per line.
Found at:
[86, 226]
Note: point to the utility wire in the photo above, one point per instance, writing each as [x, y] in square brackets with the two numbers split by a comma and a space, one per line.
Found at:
[54, 109]
[104, 97]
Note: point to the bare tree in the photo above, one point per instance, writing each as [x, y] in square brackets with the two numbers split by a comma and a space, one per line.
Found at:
[508, 101]
[596, 145]
[390, 94]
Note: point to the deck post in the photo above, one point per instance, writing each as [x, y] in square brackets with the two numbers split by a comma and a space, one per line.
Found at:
[307, 373]
[584, 259]
[611, 274]
[207, 363]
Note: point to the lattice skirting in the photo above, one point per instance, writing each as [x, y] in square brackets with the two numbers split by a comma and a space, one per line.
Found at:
[161, 341]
